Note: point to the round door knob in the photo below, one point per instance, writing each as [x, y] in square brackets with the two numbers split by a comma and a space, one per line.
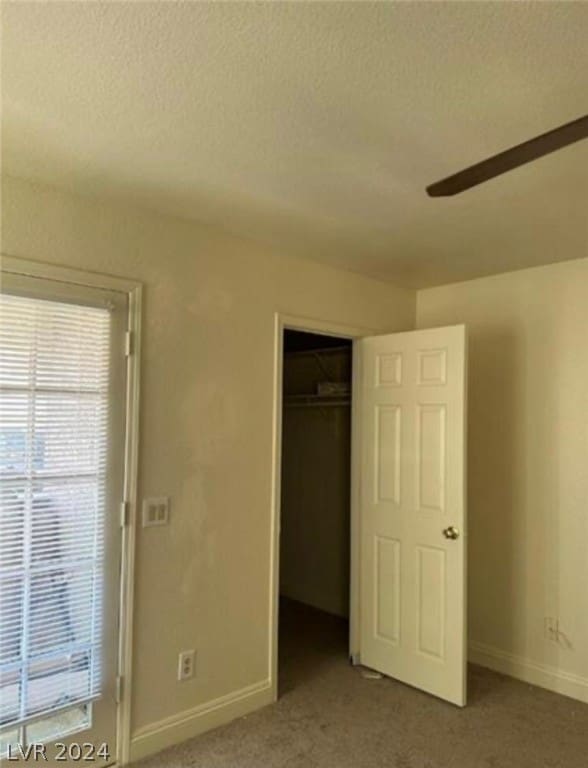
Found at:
[451, 533]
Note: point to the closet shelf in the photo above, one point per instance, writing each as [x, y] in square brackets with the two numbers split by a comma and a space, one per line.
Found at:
[316, 401]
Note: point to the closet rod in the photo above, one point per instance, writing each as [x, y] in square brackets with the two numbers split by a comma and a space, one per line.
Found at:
[318, 403]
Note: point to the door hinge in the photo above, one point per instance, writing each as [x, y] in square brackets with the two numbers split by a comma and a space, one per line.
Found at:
[124, 514]
[128, 343]
[118, 689]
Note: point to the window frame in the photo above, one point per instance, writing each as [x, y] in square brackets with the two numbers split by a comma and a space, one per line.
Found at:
[133, 291]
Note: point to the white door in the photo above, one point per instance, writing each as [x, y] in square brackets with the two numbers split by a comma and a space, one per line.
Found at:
[412, 510]
[62, 422]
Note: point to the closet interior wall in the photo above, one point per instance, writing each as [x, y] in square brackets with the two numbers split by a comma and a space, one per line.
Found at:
[316, 448]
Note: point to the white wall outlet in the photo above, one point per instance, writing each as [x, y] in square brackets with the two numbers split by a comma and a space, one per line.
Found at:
[186, 665]
[155, 511]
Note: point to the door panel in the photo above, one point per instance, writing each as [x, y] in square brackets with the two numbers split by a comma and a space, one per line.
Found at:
[430, 462]
[387, 454]
[387, 576]
[412, 469]
[430, 605]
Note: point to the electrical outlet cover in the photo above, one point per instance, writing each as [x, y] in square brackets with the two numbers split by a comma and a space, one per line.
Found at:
[186, 663]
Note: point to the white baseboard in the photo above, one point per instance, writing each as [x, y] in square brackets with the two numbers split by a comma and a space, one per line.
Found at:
[192, 722]
[543, 675]
[189, 723]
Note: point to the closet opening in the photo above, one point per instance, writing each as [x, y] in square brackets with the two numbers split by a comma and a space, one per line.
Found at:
[315, 506]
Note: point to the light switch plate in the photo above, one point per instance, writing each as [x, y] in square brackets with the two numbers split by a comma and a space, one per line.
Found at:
[155, 511]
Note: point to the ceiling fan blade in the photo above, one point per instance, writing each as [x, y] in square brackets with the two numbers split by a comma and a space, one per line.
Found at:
[511, 158]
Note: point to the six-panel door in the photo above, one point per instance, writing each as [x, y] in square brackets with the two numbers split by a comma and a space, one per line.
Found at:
[412, 573]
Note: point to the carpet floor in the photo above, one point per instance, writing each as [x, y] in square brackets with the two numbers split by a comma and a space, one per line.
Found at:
[329, 716]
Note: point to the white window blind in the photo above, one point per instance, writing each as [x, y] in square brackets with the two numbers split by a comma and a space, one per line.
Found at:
[54, 381]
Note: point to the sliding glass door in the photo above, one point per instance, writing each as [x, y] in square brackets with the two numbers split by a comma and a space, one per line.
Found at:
[62, 411]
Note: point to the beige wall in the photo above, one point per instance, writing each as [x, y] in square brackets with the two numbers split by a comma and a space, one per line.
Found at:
[206, 427]
[528, 466]
[206, 441]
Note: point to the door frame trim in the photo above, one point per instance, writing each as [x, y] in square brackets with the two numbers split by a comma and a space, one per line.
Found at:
[133, 290]
[284, 322]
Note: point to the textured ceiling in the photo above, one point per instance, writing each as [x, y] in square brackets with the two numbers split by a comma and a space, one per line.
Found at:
[313, 127]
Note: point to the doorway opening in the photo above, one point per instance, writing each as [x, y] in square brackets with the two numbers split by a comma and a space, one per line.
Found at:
[403, 486]
[314, 583]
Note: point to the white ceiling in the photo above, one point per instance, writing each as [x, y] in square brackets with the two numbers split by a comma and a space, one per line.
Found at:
[314, 127]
